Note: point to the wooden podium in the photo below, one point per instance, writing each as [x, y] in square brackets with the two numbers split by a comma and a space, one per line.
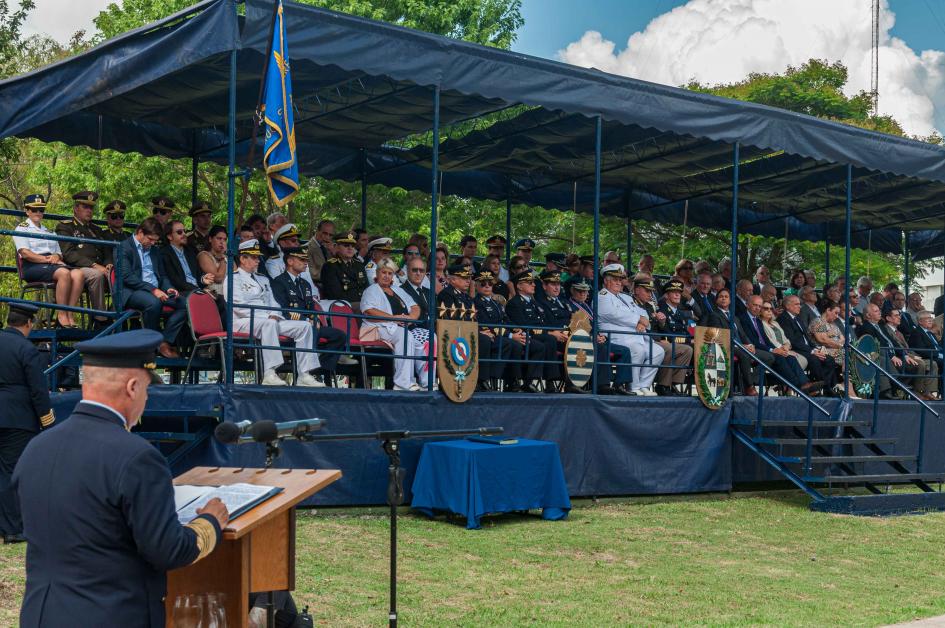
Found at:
[257, 552]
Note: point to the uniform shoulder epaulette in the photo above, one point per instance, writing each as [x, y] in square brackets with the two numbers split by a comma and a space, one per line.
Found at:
[67, 221]
[332, 260]
[369, 265]
[25, 223]
[603, 292]
[274, 256]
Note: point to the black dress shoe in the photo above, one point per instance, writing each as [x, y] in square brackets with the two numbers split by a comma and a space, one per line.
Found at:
[13, 538]
[606, 390]
[664, 391]
[623, 390]
[484, 386]
[574, 390]
[530, 388]
[515, 386]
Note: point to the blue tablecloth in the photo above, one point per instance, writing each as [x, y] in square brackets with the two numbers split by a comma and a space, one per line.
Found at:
[474, 479]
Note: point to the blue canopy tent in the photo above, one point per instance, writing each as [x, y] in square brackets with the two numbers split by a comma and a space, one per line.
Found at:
[187, 87]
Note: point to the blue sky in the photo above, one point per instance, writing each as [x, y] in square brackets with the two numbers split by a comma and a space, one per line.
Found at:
[550, 25]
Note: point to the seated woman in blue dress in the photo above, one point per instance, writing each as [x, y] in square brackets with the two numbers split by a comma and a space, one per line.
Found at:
[42, 260]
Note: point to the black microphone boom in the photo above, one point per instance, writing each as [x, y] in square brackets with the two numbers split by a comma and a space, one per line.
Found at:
[268, 431]
[230, 433]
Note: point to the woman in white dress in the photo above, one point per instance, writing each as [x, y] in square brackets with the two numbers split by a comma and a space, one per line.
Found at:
[386, 299]
[42, 260]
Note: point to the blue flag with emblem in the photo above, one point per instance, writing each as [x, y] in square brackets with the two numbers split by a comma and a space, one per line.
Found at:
[279, 160]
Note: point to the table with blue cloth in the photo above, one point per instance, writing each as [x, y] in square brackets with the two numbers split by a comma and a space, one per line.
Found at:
[474, 479]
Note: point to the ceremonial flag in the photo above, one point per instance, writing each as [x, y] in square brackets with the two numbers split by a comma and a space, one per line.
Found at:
[280, 160]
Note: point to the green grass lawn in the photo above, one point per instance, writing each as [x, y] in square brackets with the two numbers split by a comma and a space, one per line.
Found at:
[749, 559]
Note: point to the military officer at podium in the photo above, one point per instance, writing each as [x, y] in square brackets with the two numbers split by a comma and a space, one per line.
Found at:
[24, 409]
[98, 503]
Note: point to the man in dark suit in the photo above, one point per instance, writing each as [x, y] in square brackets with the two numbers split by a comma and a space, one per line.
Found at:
[891, 358]
[923, 341]
[293, 289]
[784, 365]
[145, 286]
[743, 290]
[416, 268]
[24, 409]
[809, 310]
[180, 261]
[98, 503]
[702, 302]
[822, 367]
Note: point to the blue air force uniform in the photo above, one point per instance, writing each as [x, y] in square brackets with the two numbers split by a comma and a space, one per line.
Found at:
[98, 512]
[24, 409]
[526, 311]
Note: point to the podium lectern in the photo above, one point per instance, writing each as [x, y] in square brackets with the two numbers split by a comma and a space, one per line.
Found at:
[257, 551]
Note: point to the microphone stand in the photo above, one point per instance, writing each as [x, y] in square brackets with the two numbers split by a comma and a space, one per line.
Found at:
[390, 443]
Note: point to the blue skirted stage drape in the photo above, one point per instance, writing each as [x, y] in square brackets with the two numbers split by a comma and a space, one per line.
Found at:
[609, 445]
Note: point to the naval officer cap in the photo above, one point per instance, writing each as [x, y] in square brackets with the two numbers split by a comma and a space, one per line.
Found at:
[525, 243]
[34, 202]
[287, 230]
[135, 349]
[459, 270]
[24, 309]
[380, 244]
[614, 270]
[250, 247]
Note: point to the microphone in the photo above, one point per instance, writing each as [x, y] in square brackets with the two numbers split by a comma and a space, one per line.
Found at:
[230, 433]
[268, 431]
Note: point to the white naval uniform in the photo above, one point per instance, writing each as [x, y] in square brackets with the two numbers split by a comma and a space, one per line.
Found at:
[36, 245]
[275, 265]
[370, 269]
[618, 312]
[250, 289]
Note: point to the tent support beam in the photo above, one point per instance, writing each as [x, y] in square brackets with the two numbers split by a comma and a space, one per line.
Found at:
[848, 221]
[431, 263]
[363, 190]
[230, 217]
[734, 252]
[598, 126]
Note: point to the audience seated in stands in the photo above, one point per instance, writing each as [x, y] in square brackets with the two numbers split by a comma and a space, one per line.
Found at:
[95, 262]
[213, 260]
[201, 220]
[891, 357]
[180, 261]
[321, 248]
[821, 364]
[702, 301]
[797, 282]
[343, 277]
[781, 345]
[146, 287]
[42, 260]
[778, 359]
[673, 317]
[379, 248]
[115, 222]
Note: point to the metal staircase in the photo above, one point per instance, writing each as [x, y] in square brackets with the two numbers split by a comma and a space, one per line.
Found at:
[835, 451]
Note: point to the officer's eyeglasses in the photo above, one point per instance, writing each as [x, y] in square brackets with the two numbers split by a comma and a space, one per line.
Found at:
[36, 210]
[117, 216]
[179, 231]
[412, 253]
[163, 212]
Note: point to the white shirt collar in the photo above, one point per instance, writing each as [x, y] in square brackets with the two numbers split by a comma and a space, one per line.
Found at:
[106, 407]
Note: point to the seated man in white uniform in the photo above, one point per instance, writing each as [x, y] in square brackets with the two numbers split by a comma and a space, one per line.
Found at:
[250, 288]
[618, 312]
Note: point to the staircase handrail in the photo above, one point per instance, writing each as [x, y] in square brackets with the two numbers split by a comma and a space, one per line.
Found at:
[895, 380]
[116, 324]
[800, 393]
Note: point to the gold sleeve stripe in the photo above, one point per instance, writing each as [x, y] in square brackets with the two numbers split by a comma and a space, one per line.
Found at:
[206, 536]
[47, 419]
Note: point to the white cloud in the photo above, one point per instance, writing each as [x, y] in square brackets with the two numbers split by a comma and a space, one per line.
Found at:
[722, 41]
[60, 19]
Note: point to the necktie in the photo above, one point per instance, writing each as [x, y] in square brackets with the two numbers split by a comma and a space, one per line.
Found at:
[708, 306]
[761, 341]
[800, 329]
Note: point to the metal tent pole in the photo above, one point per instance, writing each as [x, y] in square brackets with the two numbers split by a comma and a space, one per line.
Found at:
[906, 274]
[626, 211]
[827, 257]
[194, 161]
[731, 311]
[431, 299]
[597, 159]
[230, 214]
[846, 275]
[363, 190]
[508, 230]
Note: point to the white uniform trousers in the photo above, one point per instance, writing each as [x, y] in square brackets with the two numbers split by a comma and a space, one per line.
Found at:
[268, 330]
[640, 348]
[405, 371]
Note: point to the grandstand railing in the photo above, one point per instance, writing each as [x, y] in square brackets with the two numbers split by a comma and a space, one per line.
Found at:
[16, 213]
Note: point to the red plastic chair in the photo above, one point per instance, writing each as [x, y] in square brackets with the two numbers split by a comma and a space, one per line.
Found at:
[352, 327]
[207, 329]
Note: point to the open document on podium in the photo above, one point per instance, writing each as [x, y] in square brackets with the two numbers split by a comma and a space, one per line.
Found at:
[238, 498]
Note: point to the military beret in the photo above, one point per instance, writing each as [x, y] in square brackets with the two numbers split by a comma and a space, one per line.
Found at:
[200, 207]
[294, 251]
[459, 270]
[287, 230]
[550, 276]
[525, 243]
[525, 275]
[162, 203]
[250, 247]
[673, 285]
[34, 201]
[129, 349]
[115, 207]
[346, 238]
[484, 276]
[85, 197]
[495, 240]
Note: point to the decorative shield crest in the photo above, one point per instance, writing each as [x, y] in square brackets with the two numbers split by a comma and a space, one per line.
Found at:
[862, 373]
[457, 363]
[712, 365]
[579, 357]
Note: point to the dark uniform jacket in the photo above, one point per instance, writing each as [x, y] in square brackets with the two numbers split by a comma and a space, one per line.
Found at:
[343, 280]
[24, 398]
[197, 242]
[115, 235]
[557, 312]
[131, 277]
[676, 322]
[525, 313]
[98, 514]
[82, 254]
[451, 297]
[488, 312]
[295, 293]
